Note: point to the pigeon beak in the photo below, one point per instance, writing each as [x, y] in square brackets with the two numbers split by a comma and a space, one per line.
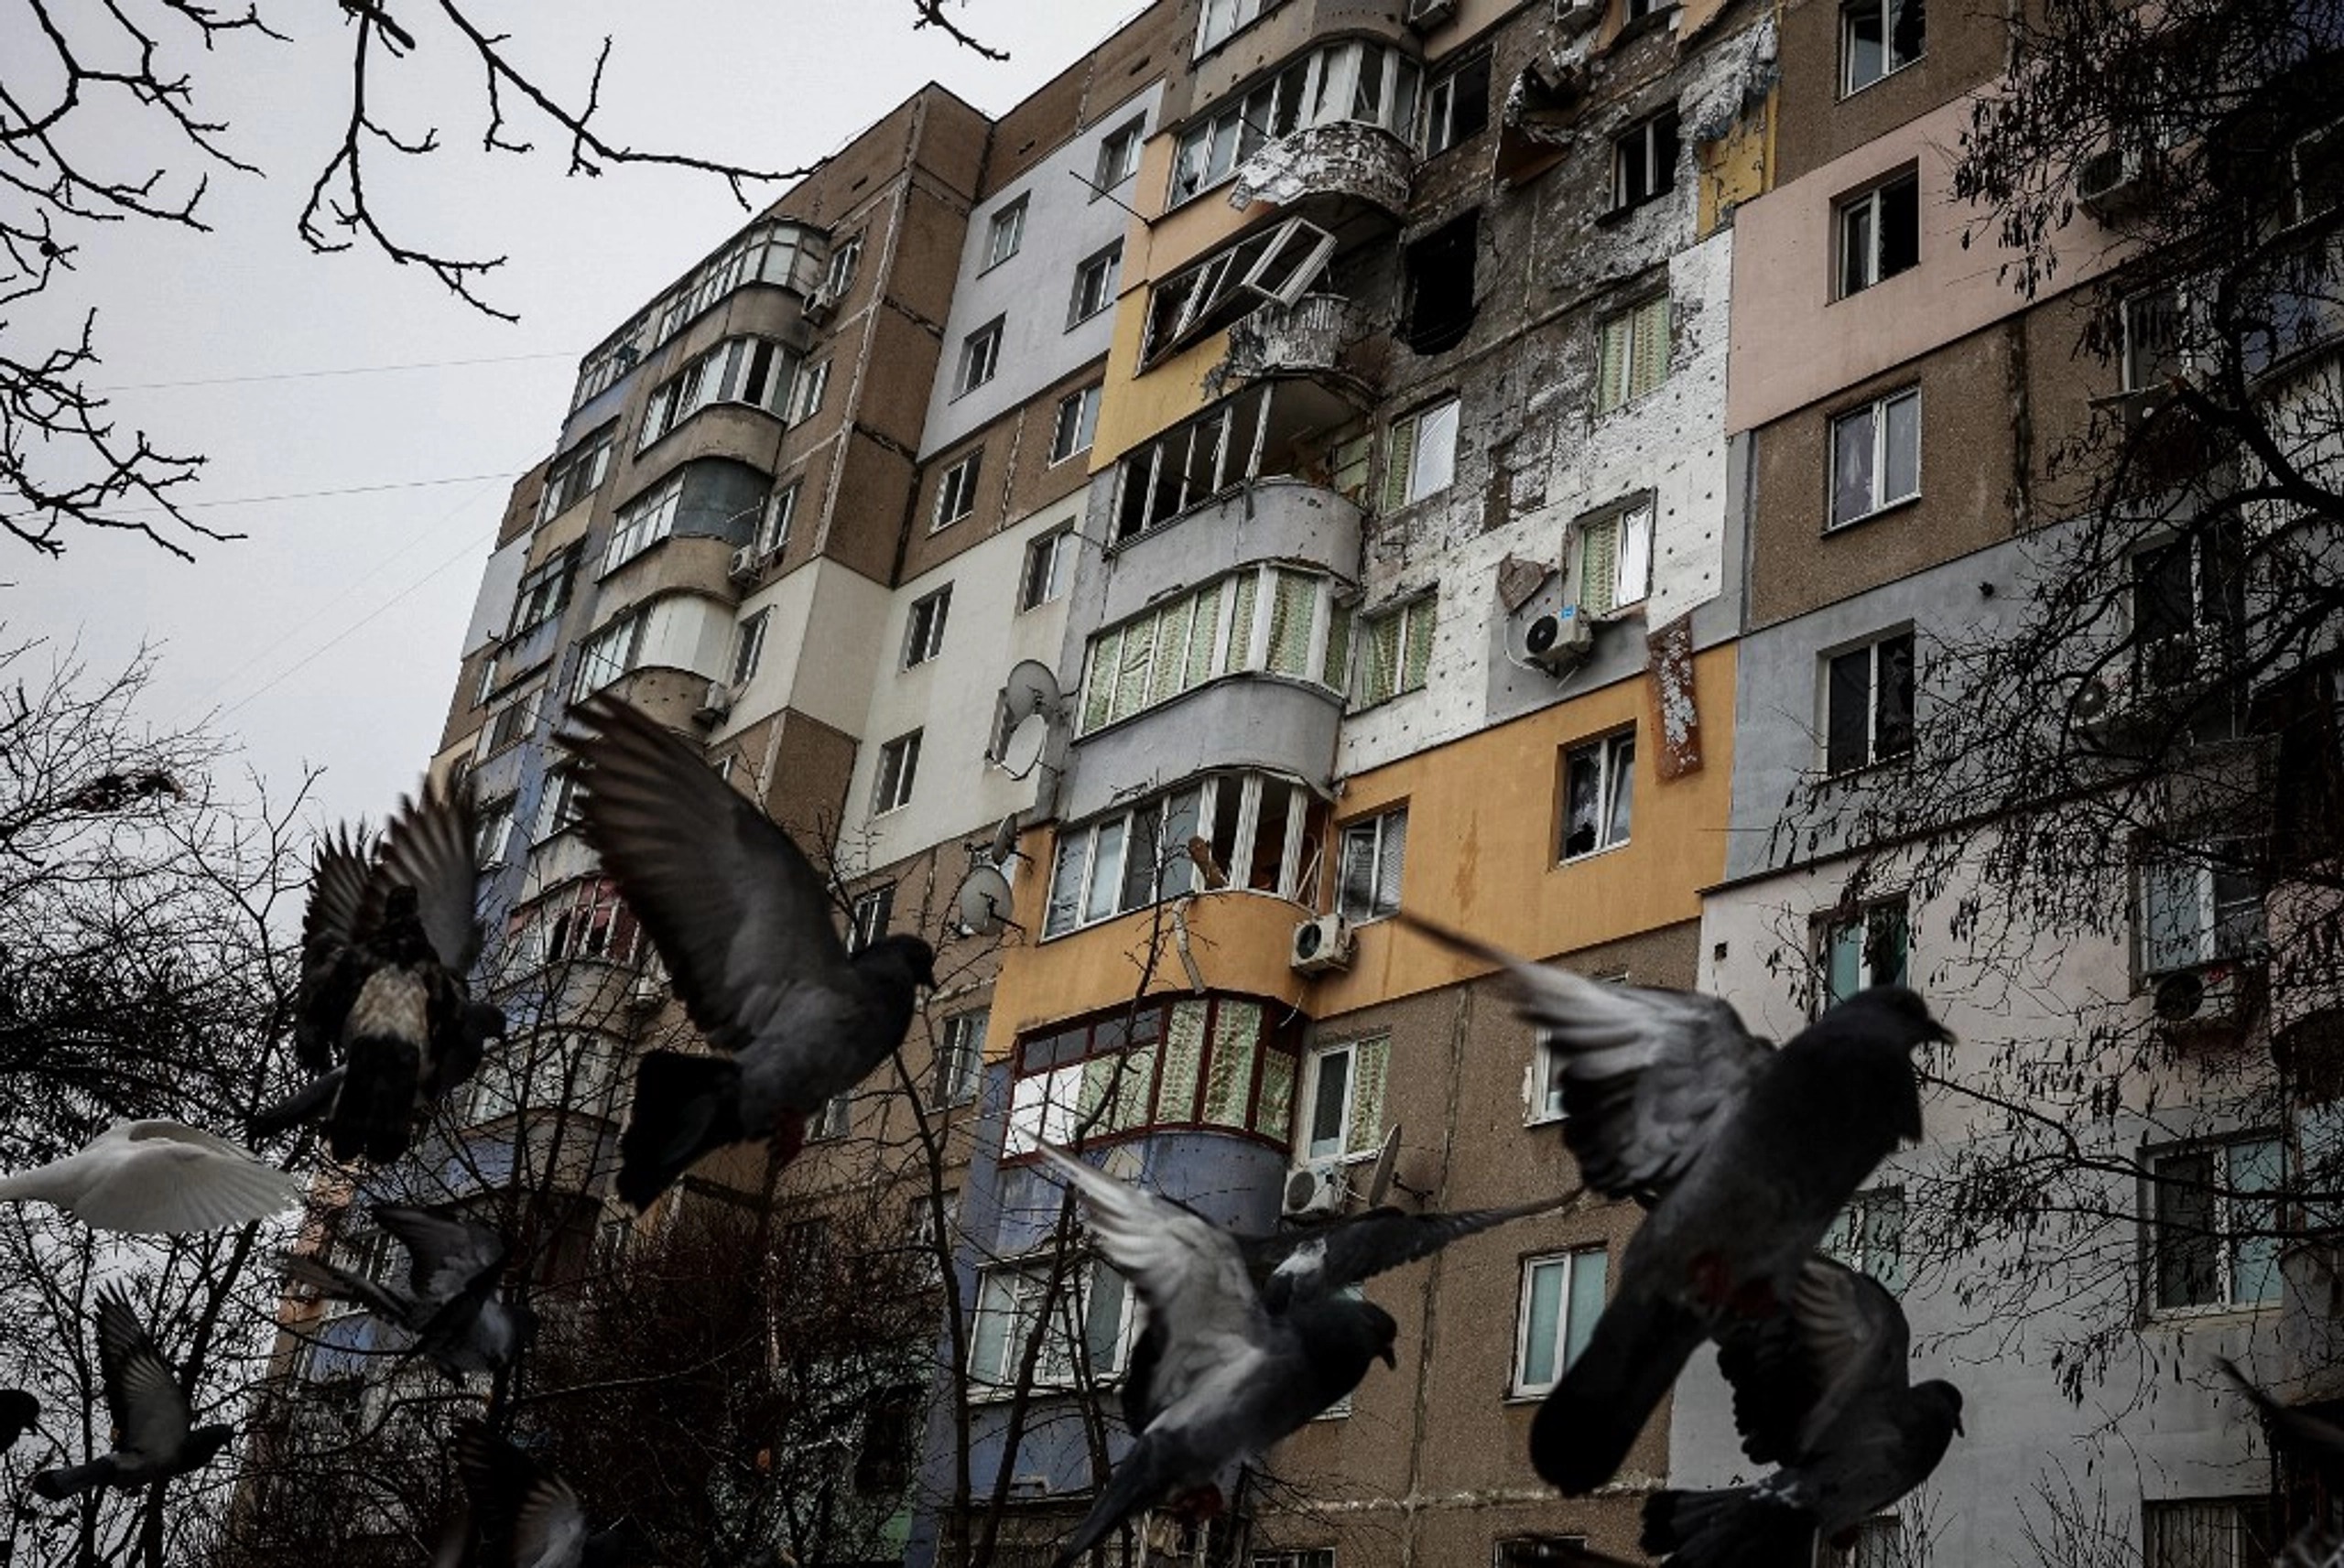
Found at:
[1959, 1430]
[1391, 1357]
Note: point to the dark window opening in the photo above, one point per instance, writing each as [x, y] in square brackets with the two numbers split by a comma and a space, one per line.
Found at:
[1440, 286]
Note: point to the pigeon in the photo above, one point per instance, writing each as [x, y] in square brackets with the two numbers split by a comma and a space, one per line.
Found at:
[527, 1516]
[159, 1178]
[154, 1437]
[742, 921]
[1821, 1389]
[1230, 1378]
[1318, 1262]
[450, 1303]
[387, 938]
[19, 1413]
[1745, 1154]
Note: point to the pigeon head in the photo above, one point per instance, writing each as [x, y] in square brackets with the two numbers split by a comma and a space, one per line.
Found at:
[902, 954]
[402, 937]
[206, 1441]
[1898, 1014]
[482, 1021]
[1350, 1333]
[1942, 1397]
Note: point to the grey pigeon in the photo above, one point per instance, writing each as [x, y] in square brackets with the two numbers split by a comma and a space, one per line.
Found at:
[1745, 1153]
[1823, 1391]
[1232, 1377]
[158, 1178]
[450, 1303]
[527, 1516]
[155, 1435]
[19, 1413]
[1320, 1262]
[744, 923]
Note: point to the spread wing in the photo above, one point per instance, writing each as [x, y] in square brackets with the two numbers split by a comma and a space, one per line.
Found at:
[429, 847]
[162, 1177]
[1649, 1075]
[449, 1253]
[1318, 1262]
[549, 1530]
[151, 1414]
[1188, 1271]
[332, 923]
[1796, 1374]
[740, 915]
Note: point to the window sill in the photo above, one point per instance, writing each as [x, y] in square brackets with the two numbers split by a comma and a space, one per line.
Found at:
[1358, 921]
[1075, 322]
[1877, 766]
[1858, 522]
[1611, 217]
[1877, 283]
[2213, 1315]
[942, 523]
[1595, 854]
[1382, 701]
[1516, 1397]
[1068, 457]
[1847, 94]
[1542, 1119]
[973, 387]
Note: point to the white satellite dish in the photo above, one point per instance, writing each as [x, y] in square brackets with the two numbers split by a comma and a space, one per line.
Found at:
[1385, 1158]
[982, 902]
[1004, 841]
[1032, 687]
[1023, 750]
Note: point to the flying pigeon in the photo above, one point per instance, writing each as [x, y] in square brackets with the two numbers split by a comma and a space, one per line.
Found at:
[527, 1516]
[19, 1413]
[742, 921]
[159, 1178]
[450, 1303]
[154, 1437]
[1232, 1377]
[1745, 1153]
[1823, 1391]
[387, 938]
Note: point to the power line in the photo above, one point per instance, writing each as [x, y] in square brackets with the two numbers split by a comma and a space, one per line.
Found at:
[313, 494]
[332, 370]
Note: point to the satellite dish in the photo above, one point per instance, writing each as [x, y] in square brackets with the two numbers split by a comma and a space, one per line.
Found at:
[1380, 1182]
[1023, 750]
[1004, 841]
[1032, 687]
[2179, 997]
[982, 902]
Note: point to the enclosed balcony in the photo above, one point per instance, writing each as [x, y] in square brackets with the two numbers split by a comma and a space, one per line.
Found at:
[1329, 173]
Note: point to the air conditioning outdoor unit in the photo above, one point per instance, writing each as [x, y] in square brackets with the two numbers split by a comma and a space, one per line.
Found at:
[2103, 706]
[820, 306]
[715, 704]
[745, 562]
[1424, 16]
[1559, 642]
[2204, 996]
[2115, 182]
[1317, 1190]
[1321, 945]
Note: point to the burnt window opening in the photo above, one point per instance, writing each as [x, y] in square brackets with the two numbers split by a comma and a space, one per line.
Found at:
[1457, 106]
[1440, 286]
[1643, 162]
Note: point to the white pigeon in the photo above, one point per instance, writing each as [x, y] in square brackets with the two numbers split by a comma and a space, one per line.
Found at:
[159, 1178]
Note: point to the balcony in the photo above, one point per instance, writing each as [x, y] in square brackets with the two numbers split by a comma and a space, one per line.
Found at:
[1329, 173]
[1318, 335]
[1277, 518]
[1244, 720]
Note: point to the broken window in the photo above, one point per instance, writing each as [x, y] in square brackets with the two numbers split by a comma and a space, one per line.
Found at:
[1643, 162]
[1421, 457]
[1272, 267]
[1632, 353]
[1877, 38]
[1615, 559]
[2188, 604]
[1880, 233]
[1868, 704]
[578, 473]
[1355, 81]
[1457, 106]
[1439, 271]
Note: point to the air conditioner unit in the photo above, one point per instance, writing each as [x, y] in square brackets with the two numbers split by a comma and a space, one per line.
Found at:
[2103, 708]
[715, 704]
[1559, 642]
[820, 306]
[745, 562]
[1317, 1190]
[1321, 945]
[2209, 995]
[2116, 182]
[1424, 16]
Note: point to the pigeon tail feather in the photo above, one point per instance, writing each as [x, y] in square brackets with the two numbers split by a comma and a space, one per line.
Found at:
[304, 1105]
[1590, 1421]
[1737, 1527]
[370, 1115]
[685, 1107]
[74, 1479]
[1146, 1474]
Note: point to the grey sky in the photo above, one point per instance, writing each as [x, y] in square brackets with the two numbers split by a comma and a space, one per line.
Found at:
[329, 636]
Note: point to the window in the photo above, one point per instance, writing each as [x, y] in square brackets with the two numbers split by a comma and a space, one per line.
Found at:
[588, 921]
[491, 676]
[1868, 1237]
[771, 253]
[1075, 424]
[1217, 1061]
[1876, 457]
[1049, 566]
[898, 759]
[980, 357]
[1877, 38]
[1643, 162]
[2153, 323]
[925, 638]
[1226, 830]
[1615, 560]
[1205, 457]
[2188, 606]
[1868, 704]
[608, 654]
[1270, 266]
[839, 275]
[578, 473]
[2200, 903]
[511, 723]
[1222, 17]
[643, 523]
[1877, 1542]
[808, 400]
[1004, 231]
[1278, 619]
[754, 371]
[867, 917]
[890, 1439]
[495, 831]
[1562, 1295]
[545, 592]
[1375, 853]
[1420, 455]
[1632, 353]
[772, 528]
[1599, 794]
[557, 804]
[1439, 283]
[1396, 644]
[748, 645]
[1094, 285]
[2211, 1246]
[1457, 106]
[1352, 80]
[956, 496]
[959, 1059]
[1880, 233]
[1538, 1550]
[1118, 156]
[1345, 1100]
[2210, 1533]
[1864, 950]
[833, 1120]
[1086, 1335]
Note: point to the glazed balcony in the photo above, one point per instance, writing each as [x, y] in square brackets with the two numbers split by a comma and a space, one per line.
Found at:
[1332, 174]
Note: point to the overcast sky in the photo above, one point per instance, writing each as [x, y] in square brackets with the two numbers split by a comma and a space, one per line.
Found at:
[362, 425]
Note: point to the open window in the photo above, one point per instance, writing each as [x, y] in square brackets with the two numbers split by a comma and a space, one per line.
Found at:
[1274, 267]
[1440, 286]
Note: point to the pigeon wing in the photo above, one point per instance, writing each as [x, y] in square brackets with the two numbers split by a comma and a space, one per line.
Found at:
[1796, 1374]
[549, 1530]
[333, 923]
[1649, 1075]
[429, 847]
[1320, 1261]
[450, 1254]
[732, 904]
[166, 1178]
[151, 1412]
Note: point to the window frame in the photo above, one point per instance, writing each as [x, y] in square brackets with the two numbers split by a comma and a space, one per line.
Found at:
[774, 519]
[544, 592]
[2199, 861]
[1415, 620]
[980, 359]
[1091, 879]
[1377, 832]
[1630, 365]
[1119, 156]
[1408, 434]
[924, 626]
[1636, 160]
[749, 646]
[837, 273]
[959, 1068]
[1053, 1369]
[1868, 1236]
[1095, 276]
[1611, 769]
[1071, 440]
[956, 492]
[1240, 1078]
[1235, 279]
[1873, 916]
[578, 472]
[1877, 414]
[1053, 553]
[1885, 11]
[628, 626]
[1627, 523]
[1440, 101]
[806, 397]
[2225, 1220]
[1004, 233]
[1519, 1384]
[893, 777]
[2254, 1535]
[868, 915]
[1881, 745]
[1860, 266]
[647, 520]
[1357, 1137]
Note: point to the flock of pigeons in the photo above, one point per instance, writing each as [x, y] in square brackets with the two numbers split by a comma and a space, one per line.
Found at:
[1742, 1154]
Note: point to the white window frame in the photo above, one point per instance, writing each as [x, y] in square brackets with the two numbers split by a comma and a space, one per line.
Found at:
[1075, 423]
[1088, 884]
[1859, 260]
[1272, 266]
[1636, 152]
[643, 521]
[1361, 1133]
[1866, 925]
[1408, 627]
[924, 626]
[494, 837]
[2199, 1521]
[1159, 654]
[578, 473]
[956, 492]
[1875, 699]
[1048, 569]
[1420, 453]
[980, 357]
[806, 397]
[780, 512]
[959, 1059]
[1520, 1385]
[891, 785]
[2227, 1221]
[835, 1118]
[1884, 13]
[1614, 757]
[1004, 235]
[838, 275]
[749, 646]
[557, 804]
[598, 665]
[1016, 1289]
[1877, 424]
[1441, 98]
[868, 915]
[1632, 353]
[1218, 21]
[1619, 542]
[1094, 285]
[2228, 921]
[514, 721]
[1381, 842]
[1119, 155]
[544, 593]
[1868, 1237]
